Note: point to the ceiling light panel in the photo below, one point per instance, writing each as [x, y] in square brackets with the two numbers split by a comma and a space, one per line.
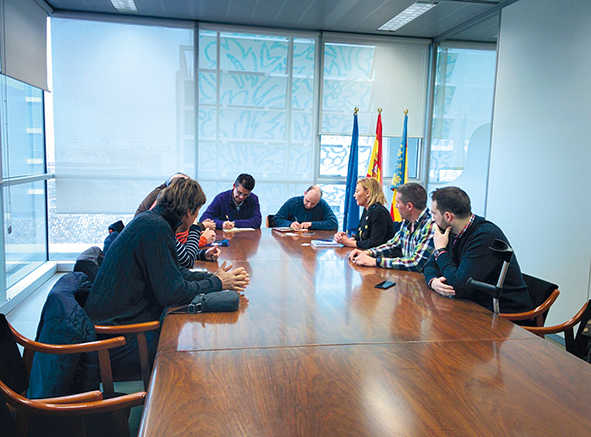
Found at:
[124, 5]
[406, 16]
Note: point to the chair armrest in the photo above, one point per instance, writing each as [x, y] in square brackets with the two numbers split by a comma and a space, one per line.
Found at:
[95, 395]
[76, 348]
[82, 408]
[544, 330]
[127, 329]
[528, 315]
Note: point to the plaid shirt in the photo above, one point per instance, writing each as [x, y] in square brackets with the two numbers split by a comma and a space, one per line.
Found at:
[416, 246]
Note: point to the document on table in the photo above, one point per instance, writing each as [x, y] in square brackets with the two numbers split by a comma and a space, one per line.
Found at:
[325, 243]
[239, 229]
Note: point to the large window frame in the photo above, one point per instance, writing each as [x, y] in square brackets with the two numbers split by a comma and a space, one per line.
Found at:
[6, 182]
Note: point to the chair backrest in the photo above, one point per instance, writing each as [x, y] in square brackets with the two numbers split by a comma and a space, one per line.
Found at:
[64, 321]
[539, 290]
[270, 218]
[580, 345]
[12, 366]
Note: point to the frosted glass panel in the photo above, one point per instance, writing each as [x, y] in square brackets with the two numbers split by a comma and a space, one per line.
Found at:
[369, 75]
[462, 110]
[123, 111]
[255, 115]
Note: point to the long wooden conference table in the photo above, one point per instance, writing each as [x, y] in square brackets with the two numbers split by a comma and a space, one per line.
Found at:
[316, 350]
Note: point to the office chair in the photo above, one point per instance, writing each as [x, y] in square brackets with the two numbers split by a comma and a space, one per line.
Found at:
[24, 415]
[543, 294]
[577, 345]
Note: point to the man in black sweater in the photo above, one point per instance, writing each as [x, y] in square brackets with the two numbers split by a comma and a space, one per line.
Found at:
[139, 276]
[466, 254]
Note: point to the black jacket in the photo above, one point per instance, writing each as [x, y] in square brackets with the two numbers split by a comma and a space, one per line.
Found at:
[375, 227]
[470, 256]
[140, 276]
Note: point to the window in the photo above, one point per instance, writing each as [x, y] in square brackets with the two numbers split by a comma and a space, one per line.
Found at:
[23, 200]
[124, 120]
[256, 113]
[462, 111]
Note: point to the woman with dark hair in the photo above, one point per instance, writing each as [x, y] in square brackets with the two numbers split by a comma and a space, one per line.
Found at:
[375, 226]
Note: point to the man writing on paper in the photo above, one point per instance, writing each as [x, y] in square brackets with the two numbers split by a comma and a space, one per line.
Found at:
[462, 242]
[412, 245]
[309, 211]
[140, 276]
[237, 207]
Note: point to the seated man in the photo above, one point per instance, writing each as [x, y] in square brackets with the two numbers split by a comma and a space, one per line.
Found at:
[309, 211]
[412, 244]
[466, 254]
[140, 276]
[237, 207]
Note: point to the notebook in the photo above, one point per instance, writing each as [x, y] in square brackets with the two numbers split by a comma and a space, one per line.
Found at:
[325, 243]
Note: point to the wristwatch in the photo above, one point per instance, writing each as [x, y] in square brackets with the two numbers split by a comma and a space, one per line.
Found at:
[438, 252]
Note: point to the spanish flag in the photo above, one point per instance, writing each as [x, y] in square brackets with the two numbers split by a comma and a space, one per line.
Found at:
[375, 161]
[401, 170]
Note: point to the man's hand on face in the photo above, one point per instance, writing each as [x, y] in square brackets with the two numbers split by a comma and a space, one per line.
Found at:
[439, 286]
[212, 254]
[440, 239]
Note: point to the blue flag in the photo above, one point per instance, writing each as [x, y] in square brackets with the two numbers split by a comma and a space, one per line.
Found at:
[351, 218]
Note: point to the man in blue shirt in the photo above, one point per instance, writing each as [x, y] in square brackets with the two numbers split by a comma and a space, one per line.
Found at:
[237, 207]
[309, 211]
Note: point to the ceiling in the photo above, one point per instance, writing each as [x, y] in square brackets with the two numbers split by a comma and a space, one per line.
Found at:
[359, 16]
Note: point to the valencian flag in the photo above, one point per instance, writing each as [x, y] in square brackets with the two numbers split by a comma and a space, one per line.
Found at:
[375, 161]
[351, 218]
[400, 168]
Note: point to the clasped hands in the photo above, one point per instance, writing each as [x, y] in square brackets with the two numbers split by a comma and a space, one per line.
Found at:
[362, 258]
[342, 238]
[233, 279]
[297, 226]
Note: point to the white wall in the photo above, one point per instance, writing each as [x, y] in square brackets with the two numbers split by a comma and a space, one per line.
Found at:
[539, 184]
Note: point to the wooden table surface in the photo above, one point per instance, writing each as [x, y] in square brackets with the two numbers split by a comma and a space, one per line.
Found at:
[315, 349]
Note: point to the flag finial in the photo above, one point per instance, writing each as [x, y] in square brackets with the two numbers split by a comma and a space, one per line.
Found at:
[406, 112]
[356, 110]
[379, 110]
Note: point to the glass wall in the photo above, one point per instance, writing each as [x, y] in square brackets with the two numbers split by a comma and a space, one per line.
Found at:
[124, 120]
[23, 197]
[462, 113]
[256, 113]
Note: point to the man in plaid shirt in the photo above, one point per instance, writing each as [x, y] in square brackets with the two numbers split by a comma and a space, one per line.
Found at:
[412, 245]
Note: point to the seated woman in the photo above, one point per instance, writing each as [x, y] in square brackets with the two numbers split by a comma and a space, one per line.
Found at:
[188, 240]
[375, 226]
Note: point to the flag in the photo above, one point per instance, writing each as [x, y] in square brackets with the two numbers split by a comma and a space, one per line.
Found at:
[374, 169]
[401, 169]
[351, 218]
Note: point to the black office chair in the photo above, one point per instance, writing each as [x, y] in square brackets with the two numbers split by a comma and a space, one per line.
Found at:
[269, 222]
[543, 294]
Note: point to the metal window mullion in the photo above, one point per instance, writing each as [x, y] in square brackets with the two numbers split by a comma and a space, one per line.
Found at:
[217, 98]
[429, 112]
[318, 78]
[196, 95]
[288, 98]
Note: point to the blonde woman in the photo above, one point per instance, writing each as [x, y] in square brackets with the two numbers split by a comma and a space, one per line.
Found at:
[375, 226]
